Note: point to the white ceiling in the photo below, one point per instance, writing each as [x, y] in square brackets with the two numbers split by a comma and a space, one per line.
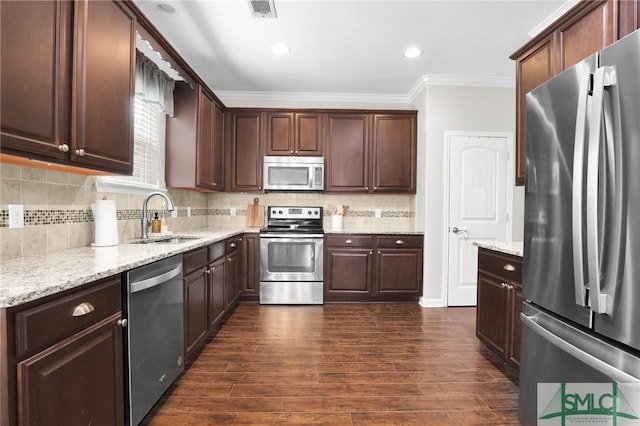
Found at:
[348, 47]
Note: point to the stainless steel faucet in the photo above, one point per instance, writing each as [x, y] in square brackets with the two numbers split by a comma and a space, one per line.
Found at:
[145, 222]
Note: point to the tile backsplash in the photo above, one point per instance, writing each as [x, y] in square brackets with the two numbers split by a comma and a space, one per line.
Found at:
[57, 210]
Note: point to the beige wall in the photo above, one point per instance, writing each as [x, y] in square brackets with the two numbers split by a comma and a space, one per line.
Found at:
[449, 108]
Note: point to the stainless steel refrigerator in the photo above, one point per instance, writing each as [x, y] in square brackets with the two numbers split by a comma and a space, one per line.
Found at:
[581, 317]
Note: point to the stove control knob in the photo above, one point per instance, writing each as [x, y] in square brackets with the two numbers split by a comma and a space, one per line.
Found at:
[309, 212]
[280, 211]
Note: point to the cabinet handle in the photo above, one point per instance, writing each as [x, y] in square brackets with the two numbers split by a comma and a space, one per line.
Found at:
[80, 152]
[123, 322]
[399, 242]
[64, 147]
[82, 309]
[348, 242]
[509, 267]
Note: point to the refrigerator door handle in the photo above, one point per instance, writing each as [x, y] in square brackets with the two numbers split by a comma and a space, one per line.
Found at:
[563, 343]
[603, 77]
[577, 214]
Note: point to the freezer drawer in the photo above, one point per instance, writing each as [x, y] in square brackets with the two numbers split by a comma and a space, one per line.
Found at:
[557, 352]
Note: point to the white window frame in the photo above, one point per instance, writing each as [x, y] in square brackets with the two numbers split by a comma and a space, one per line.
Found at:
[115, 184]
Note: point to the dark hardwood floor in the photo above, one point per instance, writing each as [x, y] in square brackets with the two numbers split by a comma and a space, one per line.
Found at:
[343, 364]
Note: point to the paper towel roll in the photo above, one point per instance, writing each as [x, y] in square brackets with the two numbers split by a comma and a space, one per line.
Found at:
[106, 223]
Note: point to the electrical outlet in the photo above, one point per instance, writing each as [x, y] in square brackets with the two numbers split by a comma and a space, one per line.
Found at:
[233, 211]
[174, 212]
[378, 213]
[16, 216]
[188, 211]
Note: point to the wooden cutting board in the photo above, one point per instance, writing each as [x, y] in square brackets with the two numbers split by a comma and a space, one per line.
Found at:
[255, 214]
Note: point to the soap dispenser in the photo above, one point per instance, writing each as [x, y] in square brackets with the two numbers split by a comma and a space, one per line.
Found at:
[155, 224]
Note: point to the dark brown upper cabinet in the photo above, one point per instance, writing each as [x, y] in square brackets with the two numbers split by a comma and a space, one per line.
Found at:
[394, 153]
[371, 152]
[347, 149]
[195, 140]
[66, 94]
[585, 29]
[245, 148]
[294, 133]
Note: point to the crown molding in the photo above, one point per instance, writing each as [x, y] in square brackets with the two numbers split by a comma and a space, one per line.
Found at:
[552, 18]
[368, 98]
[312, 97]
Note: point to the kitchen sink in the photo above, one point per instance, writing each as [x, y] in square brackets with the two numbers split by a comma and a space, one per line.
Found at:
[171, 240]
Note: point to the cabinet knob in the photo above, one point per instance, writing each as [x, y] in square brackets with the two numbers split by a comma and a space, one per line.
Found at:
[503, 285]
[366, 188]
[379, 252]
[64, 147]
[213, 268]
[80, 152]
[399, 242]
[207, 271]
[123, 322]
[291, 152]
[509, 267]
[82, 309]
[348, 241]
[375, 188]
[370, 251]
[233, 245]
[296, 152]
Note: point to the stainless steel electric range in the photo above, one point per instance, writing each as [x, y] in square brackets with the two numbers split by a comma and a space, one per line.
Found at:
[291, 256]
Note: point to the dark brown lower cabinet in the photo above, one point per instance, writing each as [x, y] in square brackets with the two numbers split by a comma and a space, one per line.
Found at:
[216, 272]
[499, 303]
[196, 322]
[232, 275]
[78, 381]
[368, 267]
[61, 358]
[250, 267]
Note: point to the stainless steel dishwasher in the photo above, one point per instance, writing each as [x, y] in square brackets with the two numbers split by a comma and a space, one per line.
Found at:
[154, 333]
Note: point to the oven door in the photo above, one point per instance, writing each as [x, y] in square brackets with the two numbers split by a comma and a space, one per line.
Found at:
[290, 257]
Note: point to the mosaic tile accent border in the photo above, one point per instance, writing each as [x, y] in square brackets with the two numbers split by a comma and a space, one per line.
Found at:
[51, 217]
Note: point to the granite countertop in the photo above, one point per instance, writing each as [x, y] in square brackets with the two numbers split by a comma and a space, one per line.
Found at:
[28, 278]
[509, 247]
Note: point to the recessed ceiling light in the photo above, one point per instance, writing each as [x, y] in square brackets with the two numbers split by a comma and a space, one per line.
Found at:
[280, 49]
[412, 52]
[166, 9]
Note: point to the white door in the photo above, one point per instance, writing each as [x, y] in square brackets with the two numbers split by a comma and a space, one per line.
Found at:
[477, 207]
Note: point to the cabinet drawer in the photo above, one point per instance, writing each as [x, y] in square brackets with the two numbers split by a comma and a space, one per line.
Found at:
[501, 265]
[43, 325]
[400, 241]
[193, 260]
[216, 251]
[348, 240]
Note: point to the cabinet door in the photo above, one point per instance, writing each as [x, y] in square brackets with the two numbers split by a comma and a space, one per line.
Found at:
[398, 274]
[586, 33]
[103, 86]
[515, 325]
[348, 273]
[250, 266]
[280, 133]
[628, 17]
[394, 153]
[77, 381]
[491, 313]
[533, 68]
[195, 310]
[216, 292]
[35, 61]
[347, 151]
[217, 173]
[231, 287]
[246, 151]
[308, 133]
[204, 164]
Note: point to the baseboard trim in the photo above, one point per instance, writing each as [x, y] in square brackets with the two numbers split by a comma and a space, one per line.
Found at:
[431, 303]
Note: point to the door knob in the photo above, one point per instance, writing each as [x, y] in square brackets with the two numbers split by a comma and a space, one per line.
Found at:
[457, 230]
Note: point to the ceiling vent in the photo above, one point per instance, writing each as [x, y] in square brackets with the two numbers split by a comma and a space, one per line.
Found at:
[262, 8]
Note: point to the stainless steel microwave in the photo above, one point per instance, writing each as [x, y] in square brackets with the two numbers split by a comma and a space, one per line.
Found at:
[293, 173]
